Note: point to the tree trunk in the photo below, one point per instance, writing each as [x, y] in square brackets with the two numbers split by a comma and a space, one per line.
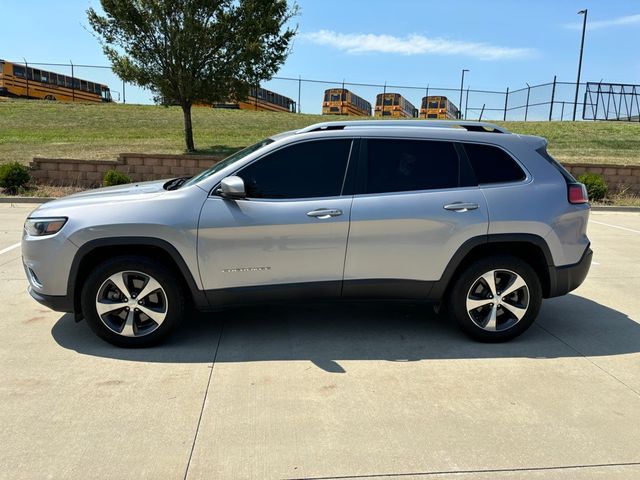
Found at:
[188, 129]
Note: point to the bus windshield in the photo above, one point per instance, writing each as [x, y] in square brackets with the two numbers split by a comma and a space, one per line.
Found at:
[226, 162]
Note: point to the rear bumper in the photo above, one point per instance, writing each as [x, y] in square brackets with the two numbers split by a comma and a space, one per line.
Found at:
[54, 302]
[564, 279]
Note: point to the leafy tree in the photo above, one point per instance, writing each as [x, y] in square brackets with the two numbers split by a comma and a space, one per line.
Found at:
[191, 51]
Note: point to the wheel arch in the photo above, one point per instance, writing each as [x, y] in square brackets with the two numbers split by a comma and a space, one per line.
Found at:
[529, 247]
[96, 251]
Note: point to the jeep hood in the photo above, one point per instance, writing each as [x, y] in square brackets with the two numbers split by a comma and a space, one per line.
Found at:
[116, 194]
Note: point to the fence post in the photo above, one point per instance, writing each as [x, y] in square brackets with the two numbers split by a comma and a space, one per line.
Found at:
[384, 94]
[73, 83]
[426, 102]
[481, 112]
[562, 112]
[299, 89]
[526, 108]
[466, 104]
[26, 74]
[506, 102]
[553, 95]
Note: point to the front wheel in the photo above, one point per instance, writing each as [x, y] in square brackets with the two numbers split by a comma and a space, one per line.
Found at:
[496, 299]
[132, 301]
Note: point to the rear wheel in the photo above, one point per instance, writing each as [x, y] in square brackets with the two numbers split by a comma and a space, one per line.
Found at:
[496, 299]
[132, 301]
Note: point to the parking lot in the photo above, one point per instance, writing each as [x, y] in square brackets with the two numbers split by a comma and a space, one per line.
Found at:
[310, 391]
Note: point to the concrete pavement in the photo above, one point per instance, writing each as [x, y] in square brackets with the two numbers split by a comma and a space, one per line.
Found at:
[353, 391]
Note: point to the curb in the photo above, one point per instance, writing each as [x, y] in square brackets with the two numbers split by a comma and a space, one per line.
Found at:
[614, 208]
[25, 199]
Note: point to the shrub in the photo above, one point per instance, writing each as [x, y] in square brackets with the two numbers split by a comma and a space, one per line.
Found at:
[113, 177]
[596, 186]
[13, 177]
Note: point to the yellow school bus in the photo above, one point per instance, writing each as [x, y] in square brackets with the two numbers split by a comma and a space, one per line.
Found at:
[17, 80]
[438, 107]
[339, 101]
[394, 105]
[261, 99]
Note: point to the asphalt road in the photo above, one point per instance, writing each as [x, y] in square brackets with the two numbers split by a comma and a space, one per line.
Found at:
[355, 391]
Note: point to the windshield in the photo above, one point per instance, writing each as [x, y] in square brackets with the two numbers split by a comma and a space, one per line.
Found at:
[226, 162]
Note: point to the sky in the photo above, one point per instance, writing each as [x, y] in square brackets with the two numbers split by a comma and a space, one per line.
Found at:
[401, 42]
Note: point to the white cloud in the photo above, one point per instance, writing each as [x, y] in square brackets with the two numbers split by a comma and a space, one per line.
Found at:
[599, 24]
[413, 44]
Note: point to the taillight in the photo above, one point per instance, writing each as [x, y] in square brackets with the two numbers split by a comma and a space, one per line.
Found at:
[578, 193]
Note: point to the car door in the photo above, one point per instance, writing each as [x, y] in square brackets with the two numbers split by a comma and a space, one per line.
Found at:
[288, 236]
[416, 203]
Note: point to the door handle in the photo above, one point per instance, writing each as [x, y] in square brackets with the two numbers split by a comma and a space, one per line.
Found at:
[461, 206]
[324, 213]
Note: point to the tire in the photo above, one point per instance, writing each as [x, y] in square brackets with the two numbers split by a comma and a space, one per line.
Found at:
[487, 316]
[127, 321]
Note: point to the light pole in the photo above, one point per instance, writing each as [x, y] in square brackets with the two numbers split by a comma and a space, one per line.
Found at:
[584, 28]
[461, 87]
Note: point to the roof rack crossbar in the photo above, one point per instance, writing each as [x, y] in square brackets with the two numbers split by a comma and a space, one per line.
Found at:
[467, 125]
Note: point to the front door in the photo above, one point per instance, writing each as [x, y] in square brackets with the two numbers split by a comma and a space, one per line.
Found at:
[288, 237]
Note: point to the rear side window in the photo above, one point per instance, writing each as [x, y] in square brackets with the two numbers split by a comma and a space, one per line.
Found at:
[303, 170]
[492, 164]
[410, 165]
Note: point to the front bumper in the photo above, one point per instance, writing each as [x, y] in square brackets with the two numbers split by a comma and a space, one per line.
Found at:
[54, 302]
[564, 279]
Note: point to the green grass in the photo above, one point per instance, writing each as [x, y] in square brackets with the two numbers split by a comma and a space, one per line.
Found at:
[63, 130]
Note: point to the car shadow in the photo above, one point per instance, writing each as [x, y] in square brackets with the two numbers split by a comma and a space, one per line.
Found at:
[570, 326]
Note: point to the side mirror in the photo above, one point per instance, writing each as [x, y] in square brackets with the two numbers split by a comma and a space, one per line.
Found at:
[232, 187]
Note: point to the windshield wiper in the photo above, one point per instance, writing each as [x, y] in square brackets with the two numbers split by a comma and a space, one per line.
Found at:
[175, 184]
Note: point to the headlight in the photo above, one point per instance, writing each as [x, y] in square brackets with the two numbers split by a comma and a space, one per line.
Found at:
[38, 227]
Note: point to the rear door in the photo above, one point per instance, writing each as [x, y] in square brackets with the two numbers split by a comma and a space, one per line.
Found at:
[289, 234]
[416, 203]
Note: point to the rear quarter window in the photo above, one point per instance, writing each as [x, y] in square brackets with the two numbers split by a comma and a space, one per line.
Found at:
[492, 164]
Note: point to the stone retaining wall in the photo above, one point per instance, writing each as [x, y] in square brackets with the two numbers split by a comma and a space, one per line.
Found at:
[618, 177]
[140, 167]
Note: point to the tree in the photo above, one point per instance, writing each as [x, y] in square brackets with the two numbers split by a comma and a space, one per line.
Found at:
[191, 51]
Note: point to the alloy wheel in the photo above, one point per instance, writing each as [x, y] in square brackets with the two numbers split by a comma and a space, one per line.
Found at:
[131, 304]
[497, 300]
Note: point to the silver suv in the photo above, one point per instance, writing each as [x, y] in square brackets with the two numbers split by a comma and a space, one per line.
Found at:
[462, 214]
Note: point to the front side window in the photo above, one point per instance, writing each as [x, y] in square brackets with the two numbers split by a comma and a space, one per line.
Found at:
[411, 165]
[303, 170]
[492, 164]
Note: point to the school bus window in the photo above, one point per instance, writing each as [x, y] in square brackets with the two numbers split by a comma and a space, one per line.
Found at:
[18, 71]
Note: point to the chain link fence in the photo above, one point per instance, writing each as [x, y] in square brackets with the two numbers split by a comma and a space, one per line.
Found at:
[552, 101]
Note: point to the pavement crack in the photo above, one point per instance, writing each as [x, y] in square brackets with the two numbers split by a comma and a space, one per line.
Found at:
[472, 472]
[588, 359]
[204, 401]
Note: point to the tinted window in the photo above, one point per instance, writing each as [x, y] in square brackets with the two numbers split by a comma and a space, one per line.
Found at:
[492, 164]
[406, 165]
[304, 170]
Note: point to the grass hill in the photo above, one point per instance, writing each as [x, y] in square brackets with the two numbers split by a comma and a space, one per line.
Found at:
[30, 128]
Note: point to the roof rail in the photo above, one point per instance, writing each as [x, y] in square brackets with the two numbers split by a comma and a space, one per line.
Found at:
[467, 125]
